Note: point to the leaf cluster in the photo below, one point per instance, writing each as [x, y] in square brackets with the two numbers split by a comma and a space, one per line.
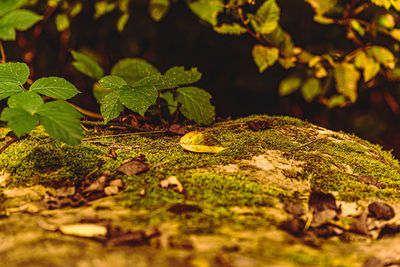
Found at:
[26, 108]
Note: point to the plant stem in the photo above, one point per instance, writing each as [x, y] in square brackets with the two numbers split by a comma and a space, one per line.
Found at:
[85, 112]
[3, 55]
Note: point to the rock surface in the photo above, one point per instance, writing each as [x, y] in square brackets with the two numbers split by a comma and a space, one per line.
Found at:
[284, 193]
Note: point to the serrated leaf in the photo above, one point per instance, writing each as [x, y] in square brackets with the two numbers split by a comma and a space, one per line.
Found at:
[54, 87]
[62, 22]
[158, 9]
[14, 72]
[289, 85]
[207, 10]
[346, 77]
[267, 17]
[180, 76]
[139, 97]
[264, 57]
[28, 101]
[195, 104]
[20, 19]
[201, 143]
[383, 56]
[61, 121]
[8, 89]
[321, 6]
[86, 65]
[19, 120]
[133, 69]
[367, 64]
[112, 82]
[111, 106]
[310, 89]
[234, 29]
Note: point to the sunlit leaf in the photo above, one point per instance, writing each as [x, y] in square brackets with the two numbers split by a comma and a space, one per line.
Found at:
[61, 121]
[103, 7]
[282, 40]
[323, 20]
[122, 20]
[267, 17]
[195, 104]
[54, 87]
[87, 65]
[289, 85]
[346, 77]
[20, 19]
[395, 4]
[158, 9]
[383, 56]
[14, 72]
[321, 6]
[336, 101]
[8, 89]
[386, 20]
[264, 56]
[384, 3]
[133, 69]
[29, 101]
[83, 230]
[180, 76]
[7, 5]
[310, 89]
[75, 10]
[357, 27]
[62, 22]
[234, 29]
[395, 33]
[368, 64]
[201, 143]
[19, 120]
[207, 10]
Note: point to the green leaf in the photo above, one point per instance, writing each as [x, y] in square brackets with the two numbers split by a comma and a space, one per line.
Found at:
[367, 64]
[195, 104]
[264, 57]
[321, 6]
[14, 72]
[234, 29]
[8, 89]
[158, 9]
[112, 82]
[310, 89]
[86, 65]
[103, 7]
[111, 106]
[336, 100]
[281, 39]
[140, 97]
[383, 56]
[289, 85]
[62, 22]
[171, 101]
[357, 27]
[122, 20]
[99, 92]
[346, 77]
[19, 120]
[133, 69]
[28, 101]
[20, 19]
[207, 10]
[180, 76]
[7, 33]
[267, 17]
[61, 121]
[54, 87]
[8, 5]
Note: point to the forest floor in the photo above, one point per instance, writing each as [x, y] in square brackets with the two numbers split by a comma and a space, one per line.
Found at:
[284, 193]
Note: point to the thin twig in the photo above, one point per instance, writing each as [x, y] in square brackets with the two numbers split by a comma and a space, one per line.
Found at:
[3, 55]
[119, 135]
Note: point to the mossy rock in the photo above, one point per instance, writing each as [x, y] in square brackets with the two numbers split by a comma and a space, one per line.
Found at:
[238, 195]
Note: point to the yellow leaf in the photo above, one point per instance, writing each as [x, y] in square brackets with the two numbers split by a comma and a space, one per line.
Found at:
[368, 64]
[264, 56]
[346, 77]
[83, 230]
[201, 143]
[383, 56]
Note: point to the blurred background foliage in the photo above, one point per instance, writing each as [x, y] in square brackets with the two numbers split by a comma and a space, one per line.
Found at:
[332, 62]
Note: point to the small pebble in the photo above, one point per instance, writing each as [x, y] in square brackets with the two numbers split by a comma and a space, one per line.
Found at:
[111, 190]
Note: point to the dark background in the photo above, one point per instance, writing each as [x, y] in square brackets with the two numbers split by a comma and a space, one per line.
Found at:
[229, 72]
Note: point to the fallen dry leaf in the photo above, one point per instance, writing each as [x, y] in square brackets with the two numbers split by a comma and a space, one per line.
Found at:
[111, 190]
[134, 166]
[84, 230]
[200, 142]
[177, 129]
[173, 182]
[258, 125]
[381, 211]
